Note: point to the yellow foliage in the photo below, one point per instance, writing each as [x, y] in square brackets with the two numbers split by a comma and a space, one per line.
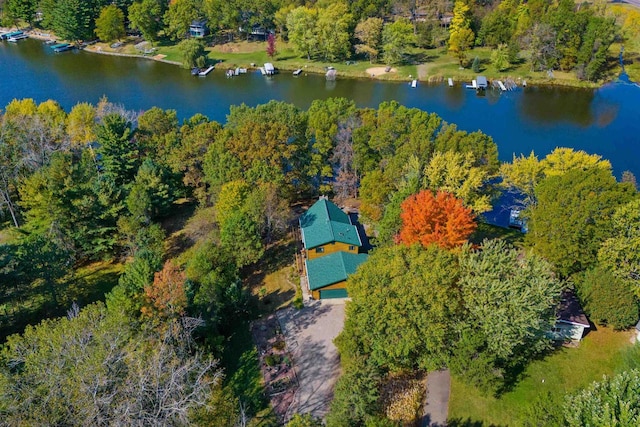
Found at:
[401, 398]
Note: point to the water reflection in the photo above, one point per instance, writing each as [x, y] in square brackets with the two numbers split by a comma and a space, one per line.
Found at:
[546, 106]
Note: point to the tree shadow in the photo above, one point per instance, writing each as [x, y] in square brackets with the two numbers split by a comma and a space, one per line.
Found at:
[468, 422]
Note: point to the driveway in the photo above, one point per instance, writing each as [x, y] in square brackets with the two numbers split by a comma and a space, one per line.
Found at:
[436, 406]
[309, 334]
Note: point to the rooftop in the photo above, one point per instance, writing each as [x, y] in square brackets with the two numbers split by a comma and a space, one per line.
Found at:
[332, 268]
[324, 223]
[570, 311]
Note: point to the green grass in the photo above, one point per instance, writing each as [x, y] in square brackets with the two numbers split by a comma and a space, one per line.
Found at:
[566, 370]
[489, 231]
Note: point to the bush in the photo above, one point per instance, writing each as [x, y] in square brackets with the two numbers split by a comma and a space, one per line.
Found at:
[272, 359]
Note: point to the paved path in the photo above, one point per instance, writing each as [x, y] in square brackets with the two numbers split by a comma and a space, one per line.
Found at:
[436, 406]
[309, 334]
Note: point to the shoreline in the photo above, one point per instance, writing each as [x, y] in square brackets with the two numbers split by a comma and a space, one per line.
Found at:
[391, 77]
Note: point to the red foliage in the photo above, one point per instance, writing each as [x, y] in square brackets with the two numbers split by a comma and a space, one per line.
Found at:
[166, 296]
[441, 219]
[271, 45]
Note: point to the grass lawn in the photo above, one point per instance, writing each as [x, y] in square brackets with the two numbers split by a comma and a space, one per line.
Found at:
[565, 371]
[489, 231]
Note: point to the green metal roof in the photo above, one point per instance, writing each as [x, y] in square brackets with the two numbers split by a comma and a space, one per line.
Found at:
[332, 268]
[324, 223]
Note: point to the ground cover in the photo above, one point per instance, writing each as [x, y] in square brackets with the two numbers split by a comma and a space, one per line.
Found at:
[564, 371]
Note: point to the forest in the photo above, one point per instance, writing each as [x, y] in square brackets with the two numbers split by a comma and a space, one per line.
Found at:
[547, 35]
[104, 184]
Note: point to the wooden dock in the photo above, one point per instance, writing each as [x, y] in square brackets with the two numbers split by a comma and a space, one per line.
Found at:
[473, 85]
[450, 82]
[501, 86]
[262, 71]
[414, 83]
[297, 72]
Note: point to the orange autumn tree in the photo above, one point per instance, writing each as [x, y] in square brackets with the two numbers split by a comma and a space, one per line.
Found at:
[166, 296]
[441, 219]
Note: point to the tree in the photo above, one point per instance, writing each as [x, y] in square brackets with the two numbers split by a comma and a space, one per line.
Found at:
[510, 300]
[150, 196]
[541, 39]
[441, 219]
[612, 401]
[404, 299]
[304, 420]
[620, 252]
[192, 53]
[500, 58]
[106, 372]
[607, 299]
[271, 45]
[333, 26]
[396, 39]
[461, 36]
[24, 10]
[456, 173]
[81, 124]
[572, 216]
[118, 152]
[71, 19]
[303, 33]
[369, 33]
[166, 296]
[179, 16]
[475, 65]
[110, 24]
[146, 16]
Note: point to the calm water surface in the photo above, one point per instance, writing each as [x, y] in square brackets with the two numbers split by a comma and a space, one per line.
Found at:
[604, 121]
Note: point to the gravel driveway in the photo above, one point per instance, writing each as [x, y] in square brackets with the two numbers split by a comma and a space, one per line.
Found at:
[309, 334]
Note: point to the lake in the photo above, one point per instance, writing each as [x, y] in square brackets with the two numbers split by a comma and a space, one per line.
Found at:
[605, 121]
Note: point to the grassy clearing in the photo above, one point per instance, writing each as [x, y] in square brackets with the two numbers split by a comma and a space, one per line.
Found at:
[489, 231]
[565, 371]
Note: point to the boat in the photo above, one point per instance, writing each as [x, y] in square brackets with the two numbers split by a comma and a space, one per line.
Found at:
[62, 47]
[414, 83]
[204, 71]
[262, 71]
[5, 36]
[241, 71]
[230, 73]
[195, 71]
[269, 69]
[17, 37]
[50, 42]
[297, 72]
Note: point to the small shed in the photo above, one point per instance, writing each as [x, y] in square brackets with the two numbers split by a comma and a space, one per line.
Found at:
[269, 69]
[481, 82]
[198, 28]
[571, 322]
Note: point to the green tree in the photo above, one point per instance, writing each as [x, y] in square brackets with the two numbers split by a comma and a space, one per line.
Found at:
[396, 40]
[500, 57]
[607, 299]
[150, 196]
[369, 34]
[146, 16]
[71, 19]
[179, 16]
[461, 36]
[81, 124]
[110, 24]
[118, 152]
[612, 401]
[333, 26]
[356, 396]
[303, 31]
[510, 301]
[193, 53]
[20, 10]
[404, 299]
[620, 252]
[572, 216]
[304, 420]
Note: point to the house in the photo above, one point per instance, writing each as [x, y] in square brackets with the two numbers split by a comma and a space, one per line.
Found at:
[327, 229]
[571, 321]
[481, 82]
[198, 29]
[331, 246]
[327, 275]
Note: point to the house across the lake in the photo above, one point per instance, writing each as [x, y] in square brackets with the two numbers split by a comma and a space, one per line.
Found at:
[198, 29]
[571, 322]
[331, 247]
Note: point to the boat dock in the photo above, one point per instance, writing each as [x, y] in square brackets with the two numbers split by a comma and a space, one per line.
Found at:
[6, 36]
[203, 73]
[501, 86]
[473, 85]
[17, 37]
[262, 71]
[414, 83]
[57, 48]
[297, 72]
[450, 82]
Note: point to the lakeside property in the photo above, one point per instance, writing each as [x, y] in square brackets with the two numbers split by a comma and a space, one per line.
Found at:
[431, 66]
